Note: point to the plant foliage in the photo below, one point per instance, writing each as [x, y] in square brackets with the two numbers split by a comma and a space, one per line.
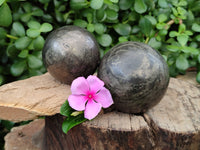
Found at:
[171, 27]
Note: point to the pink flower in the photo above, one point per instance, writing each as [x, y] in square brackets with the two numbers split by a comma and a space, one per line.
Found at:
[89, 95]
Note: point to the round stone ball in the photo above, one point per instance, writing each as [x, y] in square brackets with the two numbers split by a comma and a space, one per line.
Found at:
[136, 75]
[70, 52]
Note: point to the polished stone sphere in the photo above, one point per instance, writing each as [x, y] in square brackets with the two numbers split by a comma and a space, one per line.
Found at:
[136, 75]
[70, 52]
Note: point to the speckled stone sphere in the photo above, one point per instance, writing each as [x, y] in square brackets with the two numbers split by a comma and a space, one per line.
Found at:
[136, 75]
[70, 52]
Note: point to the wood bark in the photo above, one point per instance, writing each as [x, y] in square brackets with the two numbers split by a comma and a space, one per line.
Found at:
[26, 137]
[173, 124]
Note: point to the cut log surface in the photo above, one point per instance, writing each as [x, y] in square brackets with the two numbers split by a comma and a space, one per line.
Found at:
[173, 124]
[27, 99]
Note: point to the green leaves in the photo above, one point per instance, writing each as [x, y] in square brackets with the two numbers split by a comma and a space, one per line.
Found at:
[196, 27]
[96, 4]
[182, 39]
[145, 26]
[46, 27]
[140, 7]
[125, 4]
[5, 15]
[122, 29]
[18, 28]
[78, 4]
[35, 28]
[34, 62]
[182, 62]
[105, 40]
[70, 121]
[18, 68]
[22, 42]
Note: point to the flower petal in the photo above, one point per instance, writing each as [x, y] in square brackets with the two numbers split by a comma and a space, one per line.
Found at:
[79, 86]
[77, 102]
[104, 98]
[92, 109]
[95, 83]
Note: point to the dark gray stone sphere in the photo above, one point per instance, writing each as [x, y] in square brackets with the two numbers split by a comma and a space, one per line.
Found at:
[70, 52]
[136, 75]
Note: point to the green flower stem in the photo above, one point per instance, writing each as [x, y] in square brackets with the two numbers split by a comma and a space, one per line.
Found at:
[67, 14]
[11, 36]
[147, 40]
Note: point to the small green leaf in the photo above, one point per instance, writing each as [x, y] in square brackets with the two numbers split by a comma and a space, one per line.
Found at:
[72, 121]
[38, 43]
[19, 29]
[89, 17]
[22, 42]
[104, 40]
[162, 3]
[182, 63]
[163, 32]
[1, 2]
[122, 39]
[27, 6]
[99, 28]
[173, 33]
[151, 19]
[182, 39]
[122, 29]
[34, 24]
[2, 33]
[18, 68]
[5, 15]
[100, 15]
[66, 110]
[46, 27]
[23, 54]
[37, 12]
[78, 4]
[190, 50]
[154, 43]
[26, 17]
[12, 51]
[33, 33]
[145, 26]
[34, 62]
[181, 28]
[173, 48]
[80, 23]
[198, 77]
[162, 17]
[114, 1]
[140, 6]
[125, 4]
[90, 27]
[111, 14]
[196, 27]
[198, 58]
[96, 4]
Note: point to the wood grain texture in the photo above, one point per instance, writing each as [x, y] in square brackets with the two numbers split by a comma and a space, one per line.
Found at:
[176, 119]
[27, 99]
[173, 124]
[26, 137]
[110, 131]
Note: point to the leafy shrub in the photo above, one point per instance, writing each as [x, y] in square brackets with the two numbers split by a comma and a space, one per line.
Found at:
[172, 27]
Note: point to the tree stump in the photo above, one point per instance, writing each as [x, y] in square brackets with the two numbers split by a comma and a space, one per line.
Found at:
[173, 124]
